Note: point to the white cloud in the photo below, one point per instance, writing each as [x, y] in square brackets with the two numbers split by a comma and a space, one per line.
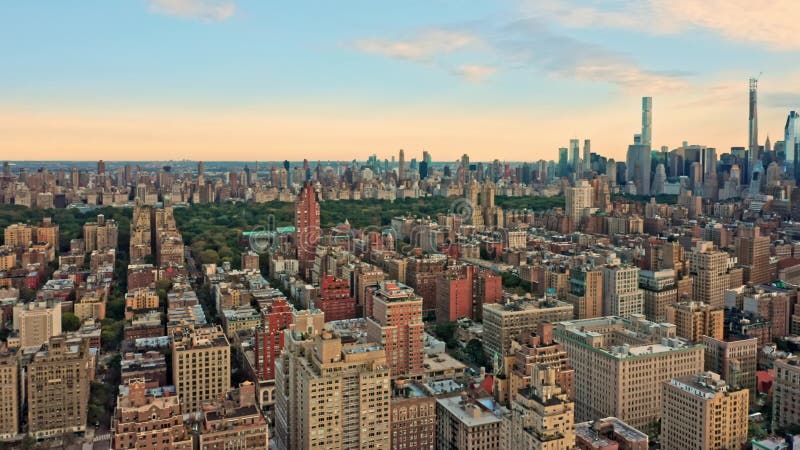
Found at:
[426, 45]
[206, 10]
[772, 23]
[475, 73]
[530, 44]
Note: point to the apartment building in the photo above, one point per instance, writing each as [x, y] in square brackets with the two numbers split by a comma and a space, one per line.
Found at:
[201, 366]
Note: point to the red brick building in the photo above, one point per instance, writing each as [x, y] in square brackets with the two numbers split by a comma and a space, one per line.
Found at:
[269, 337]
[335, 299]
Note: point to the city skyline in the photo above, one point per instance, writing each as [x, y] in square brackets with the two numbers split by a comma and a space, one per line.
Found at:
[198, 79]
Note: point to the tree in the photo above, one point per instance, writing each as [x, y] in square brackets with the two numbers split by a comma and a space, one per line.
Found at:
[209, 256]
[447, 332]
[70, 322]
[474, 350]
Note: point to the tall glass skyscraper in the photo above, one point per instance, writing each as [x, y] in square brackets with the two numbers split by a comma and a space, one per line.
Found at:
[792, 137]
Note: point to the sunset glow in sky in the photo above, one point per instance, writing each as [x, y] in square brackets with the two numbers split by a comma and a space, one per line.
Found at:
[337, 80]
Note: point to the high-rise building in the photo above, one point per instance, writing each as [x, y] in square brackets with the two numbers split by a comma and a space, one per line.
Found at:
[396, 322]
[578, 200]
[734, 360]
[647, 121]
[9, 401]
[101, 234]
[709, 268]
[37, 322]
[401, 172]
[587, 157]
[786, 393]
[702, 411]
[575, 156]
[201, 366]
[620, 363]
[145, 420]
[695, 320]
[58, 388]
[542, 416]
[307, 228]
[753, 252]
[621, 291]
[753, 124]
[18, 235]
[586, 292]
[563, 161]
[462, 422]
[335, 299]
[659, 292]
[332, 395]
[791, 142]
[269, 339]
[638, 162]
[516, 318]
[47, 231]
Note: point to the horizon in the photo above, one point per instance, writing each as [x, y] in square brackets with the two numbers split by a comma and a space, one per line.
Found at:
[195, 79]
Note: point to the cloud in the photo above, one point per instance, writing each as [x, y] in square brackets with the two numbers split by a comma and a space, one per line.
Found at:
[205, 10]
[772, 23]
[475, 73]
[427, 45]
[529, 43]
[526, 44]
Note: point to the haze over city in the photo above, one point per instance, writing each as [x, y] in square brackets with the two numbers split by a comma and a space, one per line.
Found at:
[247, 80]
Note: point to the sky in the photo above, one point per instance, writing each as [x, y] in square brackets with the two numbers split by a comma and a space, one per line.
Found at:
[512, 80]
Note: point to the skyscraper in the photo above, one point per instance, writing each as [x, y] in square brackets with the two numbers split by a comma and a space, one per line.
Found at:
[563, 161]
[575, 155]
[402, 166]
[647, 120]
[307, 228]
[753, 123]
[587, 153]
[792, 139]
[709, 267]
[621, 291]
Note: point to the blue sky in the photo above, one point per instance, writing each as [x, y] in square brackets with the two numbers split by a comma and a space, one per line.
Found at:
[238, 79]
